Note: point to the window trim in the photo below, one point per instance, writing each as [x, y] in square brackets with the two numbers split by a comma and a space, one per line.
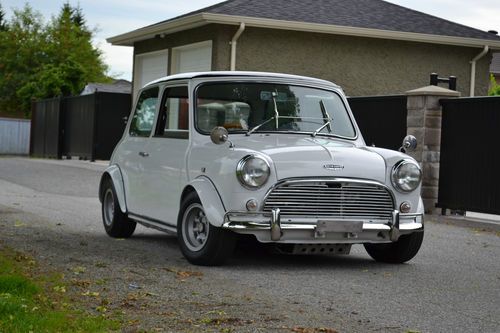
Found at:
[135, 111]
[170, 134]
[344, 102]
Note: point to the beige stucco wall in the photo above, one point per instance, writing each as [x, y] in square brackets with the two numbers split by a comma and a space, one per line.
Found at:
[362, 66]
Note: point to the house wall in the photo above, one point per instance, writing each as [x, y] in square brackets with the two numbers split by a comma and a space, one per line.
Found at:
[362, 66]
[219, 35]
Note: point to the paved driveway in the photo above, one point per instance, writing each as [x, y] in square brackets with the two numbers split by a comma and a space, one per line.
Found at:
[50, 209]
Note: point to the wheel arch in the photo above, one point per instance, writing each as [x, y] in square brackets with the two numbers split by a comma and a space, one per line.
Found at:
[209, 197]
[114, 174]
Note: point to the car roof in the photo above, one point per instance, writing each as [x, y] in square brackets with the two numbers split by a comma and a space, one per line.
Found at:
[193, 75]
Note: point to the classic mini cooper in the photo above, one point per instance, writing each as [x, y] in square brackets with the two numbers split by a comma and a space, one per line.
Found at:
[212, 155]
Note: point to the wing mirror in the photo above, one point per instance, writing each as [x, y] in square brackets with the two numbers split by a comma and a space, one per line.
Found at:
[409, 144]
[219, 135]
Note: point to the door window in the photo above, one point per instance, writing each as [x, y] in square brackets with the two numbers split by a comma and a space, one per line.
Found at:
[173, 121]
[144, 115]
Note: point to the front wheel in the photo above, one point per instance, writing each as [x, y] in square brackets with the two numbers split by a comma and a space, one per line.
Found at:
[200, 242]
[404, 249]
[116, 223]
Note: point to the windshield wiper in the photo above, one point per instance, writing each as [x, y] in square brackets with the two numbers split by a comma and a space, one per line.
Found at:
[325, 116]
[253, 129]
[276, 113]
[276, 116]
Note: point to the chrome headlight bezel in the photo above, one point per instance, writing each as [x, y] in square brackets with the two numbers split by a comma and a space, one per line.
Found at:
[409, 183]
[245, 179]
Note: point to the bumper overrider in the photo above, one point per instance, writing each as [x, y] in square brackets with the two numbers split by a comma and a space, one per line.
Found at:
[270, 227]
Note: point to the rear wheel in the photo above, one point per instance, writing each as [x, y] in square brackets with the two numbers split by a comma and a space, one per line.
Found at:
[200, 242]
[116, 223]
[404, 249]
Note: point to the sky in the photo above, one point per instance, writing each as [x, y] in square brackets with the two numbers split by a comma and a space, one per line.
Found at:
[114, 17]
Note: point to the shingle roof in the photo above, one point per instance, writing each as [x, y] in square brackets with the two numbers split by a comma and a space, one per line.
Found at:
[372, 14]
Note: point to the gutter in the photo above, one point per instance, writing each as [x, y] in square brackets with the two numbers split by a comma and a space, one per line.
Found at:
[233, 43]
[473, 69]
[198, 20]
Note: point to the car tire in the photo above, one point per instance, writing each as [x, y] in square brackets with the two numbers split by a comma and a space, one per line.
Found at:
[201, 242]
[403, 250]
[116, 223]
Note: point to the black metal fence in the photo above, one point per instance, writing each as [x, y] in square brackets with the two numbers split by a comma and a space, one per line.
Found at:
[86, 126]
[468, 175]
[382, 119]
[46, 129]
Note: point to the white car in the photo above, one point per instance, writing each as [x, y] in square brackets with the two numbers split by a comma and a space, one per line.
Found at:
[212, 155]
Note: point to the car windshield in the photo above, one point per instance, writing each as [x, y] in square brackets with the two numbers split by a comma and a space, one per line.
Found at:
[265, 107]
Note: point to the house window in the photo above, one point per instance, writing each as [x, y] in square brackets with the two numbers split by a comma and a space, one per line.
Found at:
[192, 58]
[149, 67]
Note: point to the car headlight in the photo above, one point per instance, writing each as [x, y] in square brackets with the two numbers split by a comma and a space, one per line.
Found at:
[252, 171]
[406, 176]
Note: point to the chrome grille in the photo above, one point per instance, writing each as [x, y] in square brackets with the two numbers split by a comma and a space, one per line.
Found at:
[334, 199]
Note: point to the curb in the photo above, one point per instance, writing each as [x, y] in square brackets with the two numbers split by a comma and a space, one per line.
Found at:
[466, 222]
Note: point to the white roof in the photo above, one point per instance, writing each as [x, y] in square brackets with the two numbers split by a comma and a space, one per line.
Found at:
[192, 75]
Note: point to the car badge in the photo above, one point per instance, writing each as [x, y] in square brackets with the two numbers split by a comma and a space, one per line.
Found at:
[334, 167]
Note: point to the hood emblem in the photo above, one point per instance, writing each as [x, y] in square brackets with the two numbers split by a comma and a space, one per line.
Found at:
[334, 167]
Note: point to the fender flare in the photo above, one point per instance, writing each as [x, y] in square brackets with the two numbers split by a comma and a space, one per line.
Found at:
[113, 172]
[210, 199]
[420, 207]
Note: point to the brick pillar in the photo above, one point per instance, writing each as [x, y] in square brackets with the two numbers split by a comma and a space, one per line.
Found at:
[424, 122]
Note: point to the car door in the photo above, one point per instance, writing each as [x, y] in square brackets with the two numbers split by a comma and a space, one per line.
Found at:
[165, 170]
[132, 151]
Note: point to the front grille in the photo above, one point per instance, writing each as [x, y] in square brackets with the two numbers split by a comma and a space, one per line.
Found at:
[330, 199]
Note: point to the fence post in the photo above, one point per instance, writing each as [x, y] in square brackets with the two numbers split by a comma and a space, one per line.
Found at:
[424, 122]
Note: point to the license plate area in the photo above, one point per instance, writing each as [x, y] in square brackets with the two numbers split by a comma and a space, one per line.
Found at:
[325, 226]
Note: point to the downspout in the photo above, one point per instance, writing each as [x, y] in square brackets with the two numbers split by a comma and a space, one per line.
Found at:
[233, 43]
[473, 69]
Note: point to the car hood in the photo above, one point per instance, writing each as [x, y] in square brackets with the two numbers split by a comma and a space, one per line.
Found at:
[305, 156]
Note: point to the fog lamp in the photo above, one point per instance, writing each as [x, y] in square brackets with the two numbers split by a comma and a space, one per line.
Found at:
[252, 205]
[405, 207]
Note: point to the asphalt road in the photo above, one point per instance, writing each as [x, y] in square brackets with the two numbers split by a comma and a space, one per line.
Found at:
[50, 209]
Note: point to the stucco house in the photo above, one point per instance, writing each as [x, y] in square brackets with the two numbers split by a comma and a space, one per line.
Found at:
[495, 67]
[369, 47]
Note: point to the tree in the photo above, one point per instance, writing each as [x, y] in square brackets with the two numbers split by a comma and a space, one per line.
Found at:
[39, 60]
[3, 24]
[21, 55]
[494, 87]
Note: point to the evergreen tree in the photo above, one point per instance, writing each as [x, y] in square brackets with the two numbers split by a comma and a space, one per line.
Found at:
[3, 25]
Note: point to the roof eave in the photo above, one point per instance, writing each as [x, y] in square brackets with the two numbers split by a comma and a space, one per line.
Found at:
[168, 27]
[197, 20]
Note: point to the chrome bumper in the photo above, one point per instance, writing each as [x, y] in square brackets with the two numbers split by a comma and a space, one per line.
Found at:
[257, 221]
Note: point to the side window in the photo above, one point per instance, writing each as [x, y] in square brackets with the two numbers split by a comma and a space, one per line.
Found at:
[144, 114]
[173, 121]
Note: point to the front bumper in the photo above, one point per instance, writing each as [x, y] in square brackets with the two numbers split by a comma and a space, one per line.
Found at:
[270, 227]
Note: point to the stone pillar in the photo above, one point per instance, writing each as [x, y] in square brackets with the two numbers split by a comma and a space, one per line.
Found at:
[424, 122]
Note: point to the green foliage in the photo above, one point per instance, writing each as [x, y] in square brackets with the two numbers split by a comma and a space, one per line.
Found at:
[31, 304]
[494, 87]
[42, 60]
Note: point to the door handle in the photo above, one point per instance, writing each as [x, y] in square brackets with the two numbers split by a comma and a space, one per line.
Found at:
[143, 154]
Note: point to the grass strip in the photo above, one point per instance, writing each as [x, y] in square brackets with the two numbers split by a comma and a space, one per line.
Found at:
[30, 302]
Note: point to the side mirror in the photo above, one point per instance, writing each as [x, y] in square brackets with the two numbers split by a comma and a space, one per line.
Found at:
[219, 135]
[409, 144]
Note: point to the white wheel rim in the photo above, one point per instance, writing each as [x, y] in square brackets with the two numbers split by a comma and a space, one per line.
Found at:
[195, 227]
[108, 206]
